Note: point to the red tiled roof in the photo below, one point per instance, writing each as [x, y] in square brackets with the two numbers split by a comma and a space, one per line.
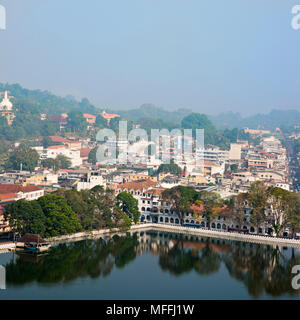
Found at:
[7, 196]
[138, 185]
[15, 188]
[89, 116]
[58, 147]
[58, 118]
[85, 152]
[58, 139]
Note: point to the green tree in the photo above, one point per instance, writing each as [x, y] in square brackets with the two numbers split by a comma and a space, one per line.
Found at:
[129, 205]
[172, 168]
[60, 218]
[76, 121]
[92, 156]
[63, 162]
[180, 198]
[25, 156]
[212, 204]
[26, 217]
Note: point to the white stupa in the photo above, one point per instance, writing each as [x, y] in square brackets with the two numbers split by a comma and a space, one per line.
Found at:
[6, 109]
[6, 105]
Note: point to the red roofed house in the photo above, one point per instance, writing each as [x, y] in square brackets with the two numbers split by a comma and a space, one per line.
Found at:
[21, 192]
[61, 119]
[84, 153]
[108, 116]
[13, 192]
[91, 119]
[69, 143]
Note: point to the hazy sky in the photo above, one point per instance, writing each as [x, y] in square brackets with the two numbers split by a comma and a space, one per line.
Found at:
[208, 55]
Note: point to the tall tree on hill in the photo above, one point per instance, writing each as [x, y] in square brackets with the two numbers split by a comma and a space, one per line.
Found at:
[24, 157]
[76, 121]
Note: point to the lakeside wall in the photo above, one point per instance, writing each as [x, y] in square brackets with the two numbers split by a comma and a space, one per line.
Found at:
[169, 228]
[178, 229]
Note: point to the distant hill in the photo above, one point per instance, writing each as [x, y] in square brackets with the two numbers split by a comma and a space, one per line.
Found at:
[151, 111]
[270, 121]
[38, 101]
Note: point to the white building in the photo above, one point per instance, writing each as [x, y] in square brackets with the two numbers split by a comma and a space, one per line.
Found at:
[235, 152]
[53, 151]
[91, 181]
[212, 154]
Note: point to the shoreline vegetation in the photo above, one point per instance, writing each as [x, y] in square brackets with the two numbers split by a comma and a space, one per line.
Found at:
[64, 213]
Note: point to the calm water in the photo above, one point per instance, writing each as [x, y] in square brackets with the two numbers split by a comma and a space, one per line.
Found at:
[152, 265]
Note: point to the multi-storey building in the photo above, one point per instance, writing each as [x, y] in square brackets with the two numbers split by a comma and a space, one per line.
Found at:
[154, 209]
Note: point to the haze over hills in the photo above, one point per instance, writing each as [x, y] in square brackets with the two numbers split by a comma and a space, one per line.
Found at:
[37, 101]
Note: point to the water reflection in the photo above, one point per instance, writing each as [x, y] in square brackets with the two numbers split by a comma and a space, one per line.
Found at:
[261, 268]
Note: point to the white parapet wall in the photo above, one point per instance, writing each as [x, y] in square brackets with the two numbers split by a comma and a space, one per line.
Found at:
[178, 229]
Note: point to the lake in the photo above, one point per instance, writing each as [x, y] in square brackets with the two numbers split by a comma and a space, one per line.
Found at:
[152, 265]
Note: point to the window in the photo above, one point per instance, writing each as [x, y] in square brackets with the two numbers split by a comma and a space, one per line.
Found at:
[166, 220]
[213, 225]
[161, 219]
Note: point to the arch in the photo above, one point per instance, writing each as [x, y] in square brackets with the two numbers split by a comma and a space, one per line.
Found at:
[161, 219]
[171, 220]
[143, 209]
[142, 218]
[213, 225]
[177, 221]
[252, 229]
[167, 220]
[224, 226]
[219, 226]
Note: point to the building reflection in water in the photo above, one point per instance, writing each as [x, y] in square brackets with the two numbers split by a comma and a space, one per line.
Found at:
[261, 268]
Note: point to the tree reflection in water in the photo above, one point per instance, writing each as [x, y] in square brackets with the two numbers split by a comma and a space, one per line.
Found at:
[262, 268]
